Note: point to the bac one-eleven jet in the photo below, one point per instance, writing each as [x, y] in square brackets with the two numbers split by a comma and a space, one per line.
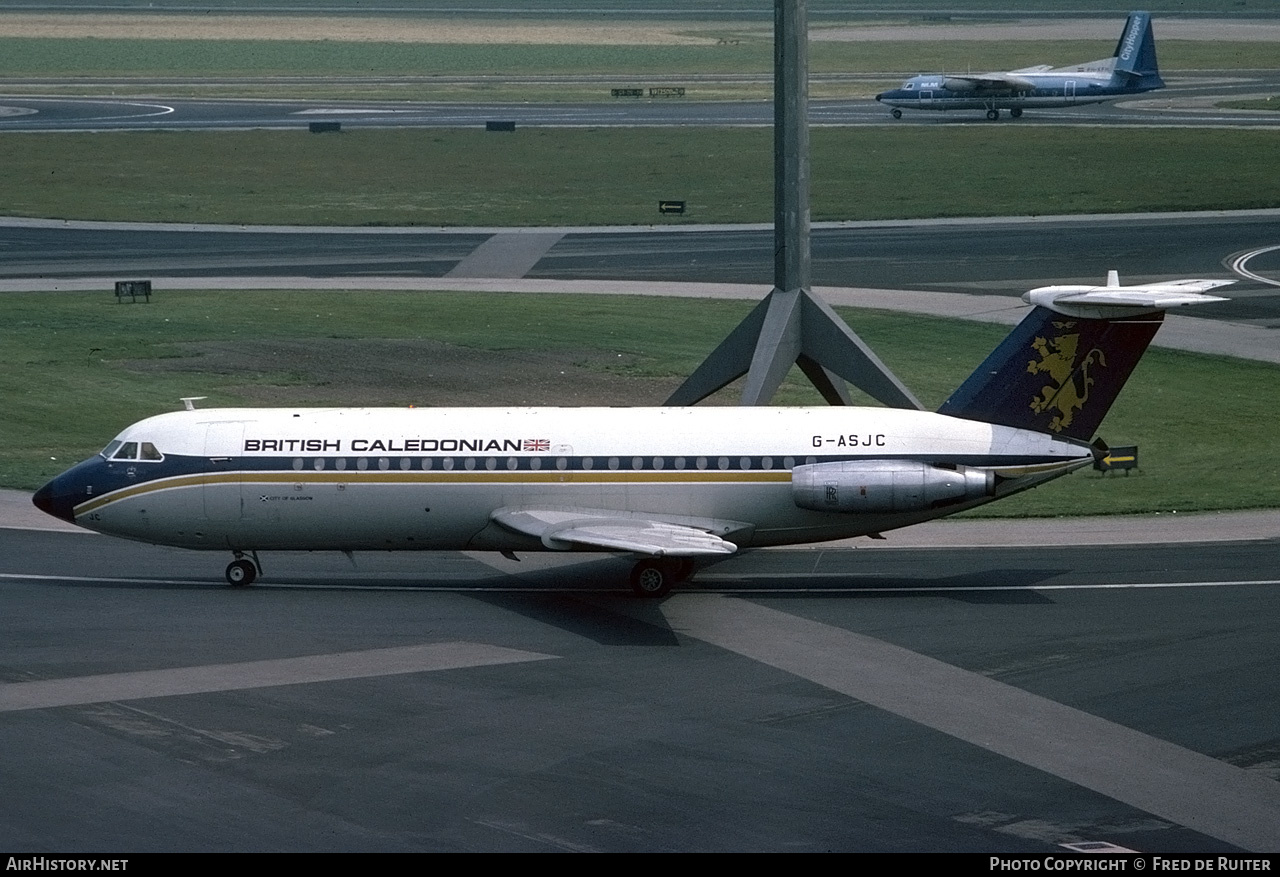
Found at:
[1130, 70]
[671, 486]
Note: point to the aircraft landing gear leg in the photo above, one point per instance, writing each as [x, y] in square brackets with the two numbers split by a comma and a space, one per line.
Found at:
[241, 572]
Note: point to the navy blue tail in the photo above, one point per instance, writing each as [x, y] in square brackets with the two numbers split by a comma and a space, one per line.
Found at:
[1136, 54]
[1055, 373]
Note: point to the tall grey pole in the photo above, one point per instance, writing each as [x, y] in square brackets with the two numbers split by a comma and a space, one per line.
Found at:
[791, 326]
[791, 260]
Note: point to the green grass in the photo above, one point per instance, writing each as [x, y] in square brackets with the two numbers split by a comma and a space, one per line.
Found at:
[1265, 103]
[536, 177]
[746, 50]
[1203, 424]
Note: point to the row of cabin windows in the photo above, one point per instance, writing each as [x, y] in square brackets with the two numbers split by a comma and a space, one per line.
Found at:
[559, 463]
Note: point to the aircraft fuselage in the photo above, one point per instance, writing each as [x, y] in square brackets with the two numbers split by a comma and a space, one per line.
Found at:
[421, 479]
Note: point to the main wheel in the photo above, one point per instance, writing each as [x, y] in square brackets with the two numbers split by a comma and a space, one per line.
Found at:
[241, 573]
[1016, 112]
[992, 115]
[649, 578]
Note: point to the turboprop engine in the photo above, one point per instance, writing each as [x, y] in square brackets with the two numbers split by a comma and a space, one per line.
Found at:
[886, 486]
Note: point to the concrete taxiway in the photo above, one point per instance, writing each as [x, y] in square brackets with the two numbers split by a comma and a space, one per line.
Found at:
[1050, 687]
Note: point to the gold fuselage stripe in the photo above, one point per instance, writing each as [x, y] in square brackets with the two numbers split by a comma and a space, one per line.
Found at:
[484, 476]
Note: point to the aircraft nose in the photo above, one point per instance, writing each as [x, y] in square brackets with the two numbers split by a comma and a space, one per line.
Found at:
[51, 501]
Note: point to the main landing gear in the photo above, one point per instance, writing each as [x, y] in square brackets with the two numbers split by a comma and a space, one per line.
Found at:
[656, 577]
[242, 571]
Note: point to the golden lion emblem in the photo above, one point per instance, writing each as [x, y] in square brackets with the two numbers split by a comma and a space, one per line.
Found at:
[1069, 390]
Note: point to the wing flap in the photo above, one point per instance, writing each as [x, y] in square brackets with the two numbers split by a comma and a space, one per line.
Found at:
[638, 537]
[567, 529]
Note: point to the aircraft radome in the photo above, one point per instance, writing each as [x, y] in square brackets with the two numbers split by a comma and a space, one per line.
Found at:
[1131, 69]
[675, 487]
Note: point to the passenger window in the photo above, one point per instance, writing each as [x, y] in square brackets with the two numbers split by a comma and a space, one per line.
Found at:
[128, 451]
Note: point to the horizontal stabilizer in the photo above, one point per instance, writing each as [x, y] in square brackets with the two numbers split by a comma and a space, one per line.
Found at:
[567, 529]
[1060, 369]
[1114, 301]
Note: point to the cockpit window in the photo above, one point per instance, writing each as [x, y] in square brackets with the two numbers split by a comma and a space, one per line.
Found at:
[111, 448]
[133, 451]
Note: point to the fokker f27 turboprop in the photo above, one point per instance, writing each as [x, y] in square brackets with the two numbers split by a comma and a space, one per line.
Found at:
[1131, 69]
[672, 486]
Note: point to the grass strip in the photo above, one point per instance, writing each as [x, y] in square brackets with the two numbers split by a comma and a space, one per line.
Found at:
[616, 176]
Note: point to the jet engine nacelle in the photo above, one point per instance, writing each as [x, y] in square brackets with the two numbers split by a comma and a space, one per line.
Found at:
[886, 486]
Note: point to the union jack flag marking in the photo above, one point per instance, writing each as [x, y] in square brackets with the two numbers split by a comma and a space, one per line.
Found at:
[537, 445]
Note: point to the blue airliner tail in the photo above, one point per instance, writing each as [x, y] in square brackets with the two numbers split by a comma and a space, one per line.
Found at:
[1063, 366]
[1135, 54]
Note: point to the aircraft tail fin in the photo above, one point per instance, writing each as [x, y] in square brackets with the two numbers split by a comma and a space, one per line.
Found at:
[1135, 54]
[1063, 366]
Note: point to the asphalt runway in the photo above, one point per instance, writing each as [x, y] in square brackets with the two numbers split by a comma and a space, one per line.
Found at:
[995, 258]
[969, 700]
[1188, 101]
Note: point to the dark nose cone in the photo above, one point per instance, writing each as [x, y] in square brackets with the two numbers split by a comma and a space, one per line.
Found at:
[47, 500]
[879, 96]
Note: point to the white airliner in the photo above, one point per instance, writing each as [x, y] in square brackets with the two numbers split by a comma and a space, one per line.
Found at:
[672, 486]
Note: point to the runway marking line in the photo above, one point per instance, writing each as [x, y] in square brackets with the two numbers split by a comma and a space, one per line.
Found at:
[517, 589]
[137, 685]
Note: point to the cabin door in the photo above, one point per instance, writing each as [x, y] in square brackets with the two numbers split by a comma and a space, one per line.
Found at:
[223, 444]
[1069, 91]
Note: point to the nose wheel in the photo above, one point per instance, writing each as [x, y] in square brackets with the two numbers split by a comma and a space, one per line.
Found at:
[241, 572]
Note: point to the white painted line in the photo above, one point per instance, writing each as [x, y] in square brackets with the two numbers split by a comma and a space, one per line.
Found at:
[442, 585]
[924, 589]
[1239, 262]
[74, 691]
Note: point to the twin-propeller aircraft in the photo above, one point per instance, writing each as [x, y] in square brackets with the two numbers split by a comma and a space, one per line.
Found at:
[1130, 70]
[674, 486]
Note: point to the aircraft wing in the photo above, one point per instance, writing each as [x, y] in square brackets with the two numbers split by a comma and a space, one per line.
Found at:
[566, 529]
[987, 82]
